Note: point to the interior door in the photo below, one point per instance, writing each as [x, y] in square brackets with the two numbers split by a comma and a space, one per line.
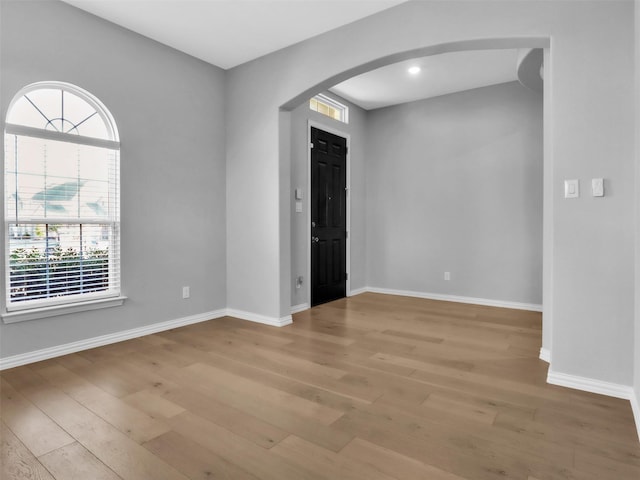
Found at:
[328, 217]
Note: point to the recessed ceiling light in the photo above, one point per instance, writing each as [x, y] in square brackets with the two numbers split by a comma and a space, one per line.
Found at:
[414, 70]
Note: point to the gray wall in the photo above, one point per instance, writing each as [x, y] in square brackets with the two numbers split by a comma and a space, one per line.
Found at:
[454, 184]
[591, 135]
[355, 129]
[637, 218]
[169, 109]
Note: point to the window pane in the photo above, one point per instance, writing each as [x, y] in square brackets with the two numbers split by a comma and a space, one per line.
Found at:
[49, 261]
[329, 107]
[59, 111]
[51, 179]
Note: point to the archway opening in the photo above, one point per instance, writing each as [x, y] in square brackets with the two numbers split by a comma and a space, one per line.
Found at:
[288, 121]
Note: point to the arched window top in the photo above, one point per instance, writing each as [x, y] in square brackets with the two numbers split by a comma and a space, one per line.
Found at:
[61, 108]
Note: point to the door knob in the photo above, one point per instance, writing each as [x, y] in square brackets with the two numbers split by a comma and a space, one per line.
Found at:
[313, 224]
[315, 239]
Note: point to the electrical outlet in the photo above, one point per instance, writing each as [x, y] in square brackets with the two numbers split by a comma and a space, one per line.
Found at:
[447, 275]
[185, 292]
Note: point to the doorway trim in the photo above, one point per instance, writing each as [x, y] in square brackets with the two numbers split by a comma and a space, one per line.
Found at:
[347, 137]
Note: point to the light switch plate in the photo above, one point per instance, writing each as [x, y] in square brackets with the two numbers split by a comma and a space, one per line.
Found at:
[298, 207]
[571, 188]
[597, 187]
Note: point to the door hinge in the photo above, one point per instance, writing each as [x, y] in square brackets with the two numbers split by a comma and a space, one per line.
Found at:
[346, 276]
[346, 234]
[311, 145]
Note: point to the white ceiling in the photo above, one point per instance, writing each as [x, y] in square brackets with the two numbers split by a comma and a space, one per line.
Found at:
[439, 75]
[228, 33]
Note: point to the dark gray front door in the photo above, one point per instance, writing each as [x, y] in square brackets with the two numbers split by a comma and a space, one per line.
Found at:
[328, 217]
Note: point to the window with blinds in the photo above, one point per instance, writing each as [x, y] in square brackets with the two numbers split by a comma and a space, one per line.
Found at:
[62, 198]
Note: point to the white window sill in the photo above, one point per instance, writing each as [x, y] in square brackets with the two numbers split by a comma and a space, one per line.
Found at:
[52, 311]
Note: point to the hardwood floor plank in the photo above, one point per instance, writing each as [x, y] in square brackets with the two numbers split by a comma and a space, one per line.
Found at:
[603, 427]
[460, 408]
[194, 460]
[72, 361]
[133, 422]
[118, 377]
[273, 396]
[392, 463]
[125, 457]
[427, 451]
[278, 416]
[16, 461]
[242, 424]
[153, 404]
[313, 334]
[614, 448]
[276, 380]
[454, 432]
[274, 358]
[474, 456]
[75, 461]
[35, 430]
[238, 451]
[604, 467]
[307, 455]
[343, 386]
[505, 406]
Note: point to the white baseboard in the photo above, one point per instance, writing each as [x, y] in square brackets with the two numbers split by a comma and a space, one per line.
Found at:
[455, 298]
[545, 355]
[254, 317]
[299, 308]
[635, 407]
[67, 348]
[590, 385]
[598, 386]
[357, 291]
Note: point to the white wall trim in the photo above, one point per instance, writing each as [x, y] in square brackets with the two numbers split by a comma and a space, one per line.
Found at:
[590, 385]
[616, 390]
[635, 407]
[545, 355]
[358, 291]
[299, 308]
[254, 317]
[455, 298]
[63, 309]
[58, 351]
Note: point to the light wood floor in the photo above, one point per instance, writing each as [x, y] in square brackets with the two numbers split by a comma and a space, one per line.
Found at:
[373, 387]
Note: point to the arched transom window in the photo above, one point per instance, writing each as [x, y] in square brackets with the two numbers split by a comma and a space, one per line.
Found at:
[62, 205]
